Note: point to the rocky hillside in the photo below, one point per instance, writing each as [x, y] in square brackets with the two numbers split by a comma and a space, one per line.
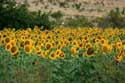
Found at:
[76, 7]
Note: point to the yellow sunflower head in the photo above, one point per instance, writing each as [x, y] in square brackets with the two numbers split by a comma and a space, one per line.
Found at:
[14, 50]
[38, 50]
[52, 56]
[119, 45]
[90, 52]
[8, 46]
[75, 43]
[119, 58]
[28, 49]
[44, 53]
[28, 42]
[13, 42]
[48, 46]
[107, 48]
[61, 55]
[88, 45]
[73, 50]
[7, 40]
[58, 51]
[103, 41]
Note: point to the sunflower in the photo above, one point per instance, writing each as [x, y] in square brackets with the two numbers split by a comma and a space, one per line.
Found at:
[61, 55]
[2, 41]
[53, 43]
[29, 30]
[61, 42]
[123, 44]
[99, 37]
[103, 41]
[59, 46]
[110, 35]
[8, 46]
[13, 42]
[22, 37]
[28, 49]
[75, 43]
[66, 42]
[4, 35]
[14, 50]
[90, 52]
[0, 35]
[52, 56]
[107, 48]
[36, 29]
[48, 46]
[88, 45]
[118, 45]
[58, 51]
[73, 50]
[44, 53]
[81, 45]
[38, 50]
[118, 58]
[28, 42]
[7, 40]
[97, 40]
[85, 38]
[70, 39]
[21, 44]
[122, 53]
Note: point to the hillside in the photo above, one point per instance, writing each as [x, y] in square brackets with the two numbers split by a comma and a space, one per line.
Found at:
[76, 7]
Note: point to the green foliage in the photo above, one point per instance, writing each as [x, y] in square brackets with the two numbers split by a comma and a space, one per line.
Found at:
[101, 68]
[22, 69]
[42, 19]
[77, 5]
[123, 11]
[57, 15]
[18, 16]
[57, 18]
[80, 21]
[115, 18]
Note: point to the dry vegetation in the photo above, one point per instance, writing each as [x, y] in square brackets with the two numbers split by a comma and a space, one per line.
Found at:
[77, 7]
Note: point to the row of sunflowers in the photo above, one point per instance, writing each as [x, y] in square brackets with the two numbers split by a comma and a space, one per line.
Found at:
[50, 43]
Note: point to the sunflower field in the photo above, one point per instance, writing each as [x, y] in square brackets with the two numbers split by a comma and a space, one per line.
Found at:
[62, 55]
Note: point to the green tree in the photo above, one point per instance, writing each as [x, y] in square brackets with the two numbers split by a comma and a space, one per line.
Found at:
[18, 16]
[113, 19]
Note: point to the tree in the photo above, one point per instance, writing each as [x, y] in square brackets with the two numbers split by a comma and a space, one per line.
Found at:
[113, 19]
[18, 16]
[15, 16]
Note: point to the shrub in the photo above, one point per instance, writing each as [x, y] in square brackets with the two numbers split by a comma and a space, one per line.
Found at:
[15, 16]
[115, 18]
[80, 21]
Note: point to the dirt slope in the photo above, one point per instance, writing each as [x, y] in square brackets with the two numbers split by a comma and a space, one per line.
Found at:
[76, 7]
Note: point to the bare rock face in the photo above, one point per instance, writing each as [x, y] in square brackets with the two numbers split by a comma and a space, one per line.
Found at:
[76, 7]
